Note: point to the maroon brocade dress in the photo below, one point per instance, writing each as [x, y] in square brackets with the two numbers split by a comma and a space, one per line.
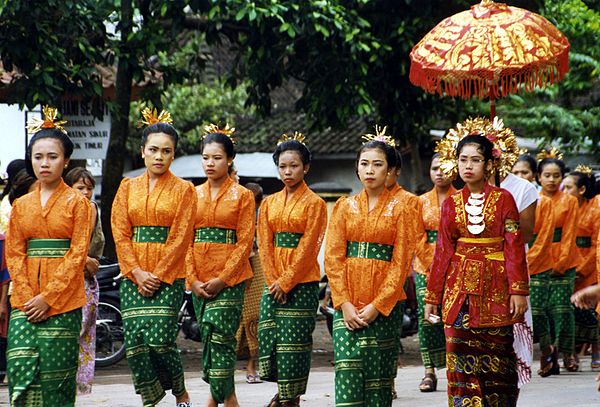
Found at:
[473, 277]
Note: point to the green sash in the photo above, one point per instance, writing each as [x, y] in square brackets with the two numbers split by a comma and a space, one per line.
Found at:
[287, 240]
[48, 247]
[583, 242]
[369, 250]
[150, 234]
[431, 236]
[215, 235]
[557, 235]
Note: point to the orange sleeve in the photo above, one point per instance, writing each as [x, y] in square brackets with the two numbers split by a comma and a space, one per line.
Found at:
[266, 249]
[308, 247]
[335, 254]
[543, 241]
[16, 254]
[567, 243]
[404, 247]
[245, 239]
[180, 233]
[122, 230]
[589, 260]
[56, 290]
[190, 274]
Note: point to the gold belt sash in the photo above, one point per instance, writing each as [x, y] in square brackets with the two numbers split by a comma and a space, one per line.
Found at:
[473, 254]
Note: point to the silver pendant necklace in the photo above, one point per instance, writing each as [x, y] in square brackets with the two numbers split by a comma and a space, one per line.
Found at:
[474, 209]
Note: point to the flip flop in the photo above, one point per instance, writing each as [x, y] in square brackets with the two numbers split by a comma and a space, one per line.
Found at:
[253, 379]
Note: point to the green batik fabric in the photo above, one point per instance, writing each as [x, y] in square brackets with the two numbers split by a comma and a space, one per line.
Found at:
[220, 319]
[539, 294]
[285, 339]
[432, 342]
[586, 326]
[562, 311]
[365, 361]
[42, 360]
[151, 328]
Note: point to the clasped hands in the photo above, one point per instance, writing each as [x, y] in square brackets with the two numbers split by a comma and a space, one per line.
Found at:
[208, 289]
[355, 318]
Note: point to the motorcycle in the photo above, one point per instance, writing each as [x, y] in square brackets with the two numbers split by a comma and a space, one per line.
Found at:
[110, 337]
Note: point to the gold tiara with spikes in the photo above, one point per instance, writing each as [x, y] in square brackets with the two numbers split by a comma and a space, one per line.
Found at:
[151, 116]
[50, 121]
[214, 128]
[552, 153]
[584, 169]
[380, 135]
[505, 151]
[299, 137]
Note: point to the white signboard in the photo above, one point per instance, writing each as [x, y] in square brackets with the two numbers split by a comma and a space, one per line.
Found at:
[89, 134]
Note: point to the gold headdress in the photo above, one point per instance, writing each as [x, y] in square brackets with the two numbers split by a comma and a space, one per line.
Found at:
[299, 137]
[380, 135]
[584, 169]
[213, 128]
[150, 116]
[505, 152]
[552, 153]
[49, 122]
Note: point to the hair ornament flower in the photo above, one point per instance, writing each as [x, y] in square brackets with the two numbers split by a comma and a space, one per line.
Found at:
[505, 150]
[214, 128]
[552, 153]
[151, 116]
[380, 135]
[299, 137]
[49, 122]
[584, 169]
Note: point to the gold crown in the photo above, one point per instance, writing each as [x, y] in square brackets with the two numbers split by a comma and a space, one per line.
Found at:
[299, 137]
[380, 135]
[584, 169]
[552, 153]
[505, 151]
[50, 121]
[150, 116]
[213, 128]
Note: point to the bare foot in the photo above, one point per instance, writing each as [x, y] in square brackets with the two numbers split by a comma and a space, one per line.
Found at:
[232, 401]
[185, 397]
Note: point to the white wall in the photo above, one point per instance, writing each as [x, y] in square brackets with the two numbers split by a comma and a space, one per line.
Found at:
[12, 134]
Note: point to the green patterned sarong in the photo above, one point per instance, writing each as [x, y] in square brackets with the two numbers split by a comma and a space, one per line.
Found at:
[539, 287]
[561, 311]
[42, 359]
[150, 326]
[220, 319]
[586, 326]
[365, 361]
[432, 342]
[285, 339]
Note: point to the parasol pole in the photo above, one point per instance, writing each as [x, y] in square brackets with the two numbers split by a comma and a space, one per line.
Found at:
[492, 107]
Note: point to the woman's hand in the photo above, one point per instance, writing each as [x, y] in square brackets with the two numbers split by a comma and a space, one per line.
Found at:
[430, 309]
[368, 313]
[213, 287]
[278, 294]
[518, 305]
[147, 282]
[351, 318]
[37, 309]
[91, 267]
[587, 297]
[198, 290]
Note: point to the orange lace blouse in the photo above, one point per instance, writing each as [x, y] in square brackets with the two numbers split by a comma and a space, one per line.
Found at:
[564, 208]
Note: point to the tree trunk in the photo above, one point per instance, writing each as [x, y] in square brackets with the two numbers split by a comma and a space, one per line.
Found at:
[112, 171]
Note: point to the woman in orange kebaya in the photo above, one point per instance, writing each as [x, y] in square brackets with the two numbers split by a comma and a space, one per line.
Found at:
[46, 249]
[432, 342]
[581, 184]
[479, 276]
[218, 262]
[367, 257]
[551, 171]
[291, 228]
[151, 228]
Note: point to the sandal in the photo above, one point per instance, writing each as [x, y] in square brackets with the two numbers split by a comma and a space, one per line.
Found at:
[595, 361]
[291, 403]
[274, 401]
[428, 383]
[549, 364]
[253, 378]
[571, 364]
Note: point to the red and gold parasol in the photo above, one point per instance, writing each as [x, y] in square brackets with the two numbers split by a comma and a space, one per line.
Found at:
[490, 51]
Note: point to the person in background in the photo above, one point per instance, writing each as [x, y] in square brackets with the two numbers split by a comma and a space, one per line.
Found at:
[46, 247]
[4, 309]
[247, 334]
[82, 181]
[581, 184]
[432, 343]
[12, 169]
[152, 232]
